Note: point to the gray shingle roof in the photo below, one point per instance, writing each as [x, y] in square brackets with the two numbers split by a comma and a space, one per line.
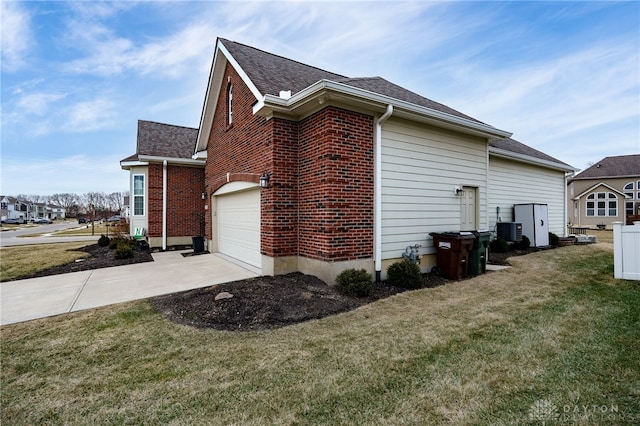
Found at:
[272, 73]
[164, 140]
[384, 87]
[516, 147]
[610, 167]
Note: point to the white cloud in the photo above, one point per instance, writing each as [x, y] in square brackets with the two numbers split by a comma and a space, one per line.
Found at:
[90, 115]
[550, 98]
[168, 56]
[38, 103]
[15, 34]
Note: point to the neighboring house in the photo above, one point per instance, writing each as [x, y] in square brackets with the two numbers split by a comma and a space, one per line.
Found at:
[167, 185]
[53, 211]
[307, 170]
[13, 208]
[606, 192]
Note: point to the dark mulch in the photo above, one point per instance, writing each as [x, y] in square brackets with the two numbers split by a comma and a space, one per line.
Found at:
[267, 302]
[257, 303]
[100, 257]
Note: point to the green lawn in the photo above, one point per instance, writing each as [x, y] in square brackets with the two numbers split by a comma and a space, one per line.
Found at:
[553, 340]
[20, 261]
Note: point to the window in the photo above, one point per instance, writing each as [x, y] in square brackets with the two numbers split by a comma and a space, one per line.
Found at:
[229, 104]
[602, 204]
[629, 208]
[138, 195]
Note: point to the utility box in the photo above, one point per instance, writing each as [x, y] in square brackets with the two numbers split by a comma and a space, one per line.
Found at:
[535, 222]
[509, 231]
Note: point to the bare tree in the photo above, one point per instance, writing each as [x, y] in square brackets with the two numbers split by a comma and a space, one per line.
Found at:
[96, 201]
[70, 202]
[115, 201]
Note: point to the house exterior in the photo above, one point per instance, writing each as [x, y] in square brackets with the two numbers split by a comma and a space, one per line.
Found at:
[606, 192]
[13, 208]
[166, 185]
[307, 170]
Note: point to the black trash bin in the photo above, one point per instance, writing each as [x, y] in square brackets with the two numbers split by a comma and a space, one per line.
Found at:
[198, 244]
[453, 253]
[478, 255]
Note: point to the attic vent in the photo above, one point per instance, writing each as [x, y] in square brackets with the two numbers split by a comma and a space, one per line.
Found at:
[285, 94]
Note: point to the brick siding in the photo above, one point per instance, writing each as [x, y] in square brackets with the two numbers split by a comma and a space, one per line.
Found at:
[320, 200]
[185, 207]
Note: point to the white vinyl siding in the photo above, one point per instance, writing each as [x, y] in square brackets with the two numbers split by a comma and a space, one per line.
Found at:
[512, 182]
[421, 166]
[139, 221]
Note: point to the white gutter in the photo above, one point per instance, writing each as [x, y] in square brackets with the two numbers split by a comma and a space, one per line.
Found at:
[279, 104]
[164, 205]
[177, 161]
[528, 159]
[377, 173]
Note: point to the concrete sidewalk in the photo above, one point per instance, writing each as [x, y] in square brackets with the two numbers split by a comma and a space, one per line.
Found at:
[170, 272]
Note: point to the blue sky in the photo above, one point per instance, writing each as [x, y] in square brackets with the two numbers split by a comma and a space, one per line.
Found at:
[564, 77]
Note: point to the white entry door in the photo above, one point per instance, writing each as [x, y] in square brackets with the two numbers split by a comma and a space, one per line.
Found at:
[238, 222]
[468, 209]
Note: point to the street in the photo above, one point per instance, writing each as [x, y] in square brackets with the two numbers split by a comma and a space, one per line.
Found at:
[16, 237]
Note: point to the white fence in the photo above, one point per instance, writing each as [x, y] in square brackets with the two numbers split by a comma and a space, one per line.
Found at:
[626, 251]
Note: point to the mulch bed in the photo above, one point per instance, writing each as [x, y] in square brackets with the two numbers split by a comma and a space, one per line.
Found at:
[100, 257]
[253, 304]
[266, 302]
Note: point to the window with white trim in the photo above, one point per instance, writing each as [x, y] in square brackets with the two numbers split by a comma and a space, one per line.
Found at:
[138, 195]
[602, 204]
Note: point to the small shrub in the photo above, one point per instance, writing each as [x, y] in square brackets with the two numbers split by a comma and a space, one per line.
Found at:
[554, 240]
[404, 274]
[355, 282]
[499, 246]
[103, 241]
[124, 250]
[113, 244]
[523, 244]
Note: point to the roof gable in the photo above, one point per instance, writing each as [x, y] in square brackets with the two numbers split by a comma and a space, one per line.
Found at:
[598, 185]
[612, 167]
[267, 75]
[272, 73]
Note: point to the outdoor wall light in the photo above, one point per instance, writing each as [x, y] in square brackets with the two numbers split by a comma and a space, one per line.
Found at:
[204, 195]
[264, 180]
[458, 191]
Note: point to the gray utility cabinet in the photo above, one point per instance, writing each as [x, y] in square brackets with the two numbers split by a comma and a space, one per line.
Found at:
[535, 222]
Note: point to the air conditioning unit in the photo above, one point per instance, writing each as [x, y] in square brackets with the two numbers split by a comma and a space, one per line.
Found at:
[509, 231]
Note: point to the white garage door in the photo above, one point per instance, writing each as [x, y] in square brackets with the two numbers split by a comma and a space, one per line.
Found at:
[239, 226]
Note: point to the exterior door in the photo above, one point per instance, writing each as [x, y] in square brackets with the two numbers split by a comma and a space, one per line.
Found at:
[468, 209]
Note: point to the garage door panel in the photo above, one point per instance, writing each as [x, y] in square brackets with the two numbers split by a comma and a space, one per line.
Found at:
[238, 218]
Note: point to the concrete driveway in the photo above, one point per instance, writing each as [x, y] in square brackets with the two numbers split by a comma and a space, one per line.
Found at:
[24, 300]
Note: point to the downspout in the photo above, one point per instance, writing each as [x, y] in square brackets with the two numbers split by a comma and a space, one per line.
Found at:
[164, 205]
[377, 196]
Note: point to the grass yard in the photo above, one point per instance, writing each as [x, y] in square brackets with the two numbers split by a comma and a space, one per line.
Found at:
[553, 340]
[22, 260]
